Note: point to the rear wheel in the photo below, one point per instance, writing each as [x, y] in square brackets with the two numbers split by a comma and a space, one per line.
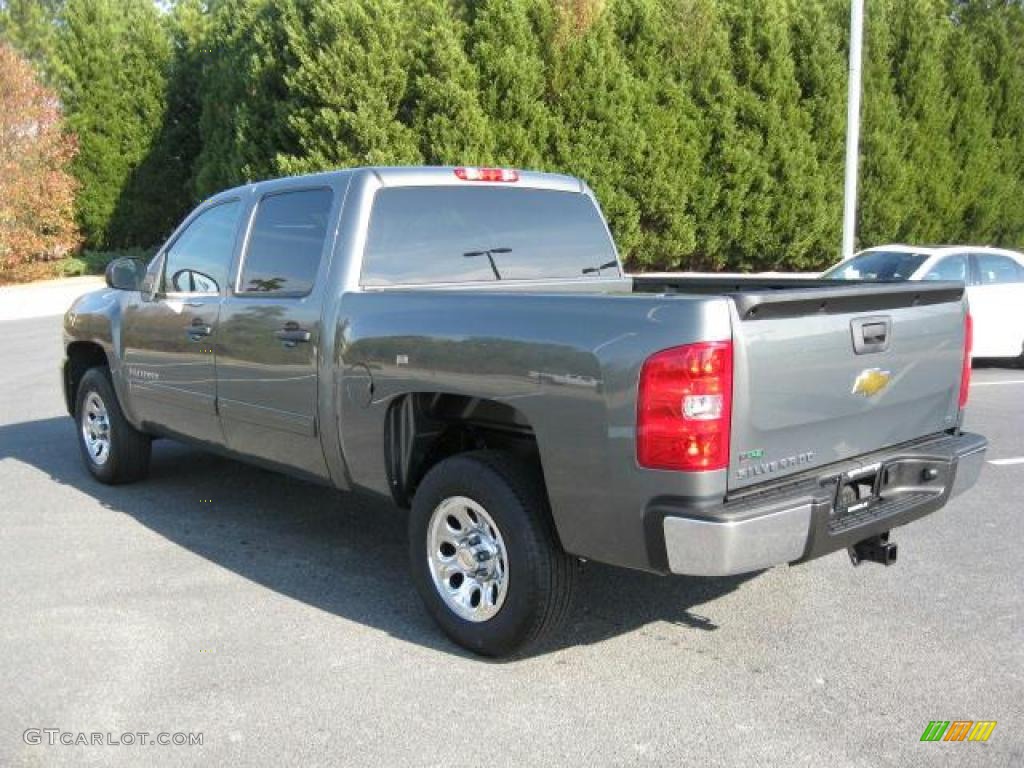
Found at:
[112, 449]
[484, 554]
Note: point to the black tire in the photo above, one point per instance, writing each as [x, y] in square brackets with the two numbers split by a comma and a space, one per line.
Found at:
[541, 576]
[127, 456]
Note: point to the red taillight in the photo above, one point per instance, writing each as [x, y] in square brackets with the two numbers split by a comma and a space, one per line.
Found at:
[683, 407]
[965, 372]
[487, 174]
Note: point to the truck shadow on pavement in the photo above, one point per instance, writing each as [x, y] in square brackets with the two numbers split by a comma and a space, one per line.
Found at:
[342, 553]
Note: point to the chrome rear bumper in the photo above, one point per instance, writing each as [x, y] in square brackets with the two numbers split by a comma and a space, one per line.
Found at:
[801, 522]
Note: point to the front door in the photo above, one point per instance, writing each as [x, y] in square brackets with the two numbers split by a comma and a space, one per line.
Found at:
[170, 340]
[269, 334]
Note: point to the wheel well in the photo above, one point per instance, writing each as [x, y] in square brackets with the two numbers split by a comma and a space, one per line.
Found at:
[81, 356]
[424, 428]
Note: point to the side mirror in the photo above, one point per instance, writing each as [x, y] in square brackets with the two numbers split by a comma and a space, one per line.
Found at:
[125, 274]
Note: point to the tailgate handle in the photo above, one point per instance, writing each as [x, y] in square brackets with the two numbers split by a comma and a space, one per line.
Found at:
[875, 333]
[871, 334]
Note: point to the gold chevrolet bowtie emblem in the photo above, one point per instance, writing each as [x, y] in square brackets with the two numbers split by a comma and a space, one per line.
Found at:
[870, 382]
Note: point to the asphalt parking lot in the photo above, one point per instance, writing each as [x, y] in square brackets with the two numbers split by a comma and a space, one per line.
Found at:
[276, 619]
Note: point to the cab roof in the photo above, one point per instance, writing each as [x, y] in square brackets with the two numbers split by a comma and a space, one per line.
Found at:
[408, 176]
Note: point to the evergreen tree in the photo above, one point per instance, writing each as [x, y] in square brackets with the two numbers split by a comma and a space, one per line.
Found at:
[774, 193]
[29, 26]
[507, 43]
[700, 61]
[921, 28]
[820, 56]
[997, 29]
[442, 103]
[112, 58]
[711, 130]
[979, 182]
[181, 140]
[661, 172]
[243, 96]
[884, 191]
[596, 132]
[347, 81]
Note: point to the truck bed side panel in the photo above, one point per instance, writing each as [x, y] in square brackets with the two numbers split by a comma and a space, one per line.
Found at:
[569, 363]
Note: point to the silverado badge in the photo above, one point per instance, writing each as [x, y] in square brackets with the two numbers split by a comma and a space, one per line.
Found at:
[870, 382]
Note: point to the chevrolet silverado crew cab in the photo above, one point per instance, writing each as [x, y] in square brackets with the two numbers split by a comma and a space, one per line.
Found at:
[464, 342]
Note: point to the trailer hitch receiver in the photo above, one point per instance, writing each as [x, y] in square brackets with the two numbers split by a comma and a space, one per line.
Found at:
[877, 549]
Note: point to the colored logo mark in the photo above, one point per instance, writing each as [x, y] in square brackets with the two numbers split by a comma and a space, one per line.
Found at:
[958, 730]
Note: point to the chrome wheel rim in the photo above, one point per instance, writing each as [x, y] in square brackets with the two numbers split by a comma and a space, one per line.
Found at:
[96, 429]
[467, 557]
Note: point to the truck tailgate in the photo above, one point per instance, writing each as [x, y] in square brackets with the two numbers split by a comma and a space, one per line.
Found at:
[828, 373]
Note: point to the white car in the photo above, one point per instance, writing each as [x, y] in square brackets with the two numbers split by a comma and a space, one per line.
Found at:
[994, 278]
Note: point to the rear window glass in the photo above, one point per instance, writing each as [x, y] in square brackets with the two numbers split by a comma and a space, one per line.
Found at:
[463, 234]
[286, 243]
[877, 265]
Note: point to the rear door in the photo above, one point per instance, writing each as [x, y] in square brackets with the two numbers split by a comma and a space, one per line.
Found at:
[823, 375]
[170, 340]
[270, 329]
[996, 295]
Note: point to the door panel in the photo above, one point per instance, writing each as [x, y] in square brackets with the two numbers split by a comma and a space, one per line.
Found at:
[170, 340]
[170, 364]
[267, 387]
[269, 335]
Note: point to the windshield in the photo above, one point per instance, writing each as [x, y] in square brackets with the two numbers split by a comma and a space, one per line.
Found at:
[877, 265]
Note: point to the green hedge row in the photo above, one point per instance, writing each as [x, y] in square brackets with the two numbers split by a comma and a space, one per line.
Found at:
[711, 130]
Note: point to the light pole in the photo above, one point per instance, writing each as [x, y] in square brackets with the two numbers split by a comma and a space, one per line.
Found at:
[852, 127]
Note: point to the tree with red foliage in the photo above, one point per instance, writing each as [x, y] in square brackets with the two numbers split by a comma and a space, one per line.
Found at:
[37, 192]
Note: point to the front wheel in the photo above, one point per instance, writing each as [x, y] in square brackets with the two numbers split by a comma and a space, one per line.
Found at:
[484, 554]
[112, 449]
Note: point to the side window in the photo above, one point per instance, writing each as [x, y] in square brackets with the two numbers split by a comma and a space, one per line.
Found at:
[994, 269]
[949, 268]
[198, 261]
[286, 243]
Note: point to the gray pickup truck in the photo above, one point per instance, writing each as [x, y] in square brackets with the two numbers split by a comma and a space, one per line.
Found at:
[465, 342]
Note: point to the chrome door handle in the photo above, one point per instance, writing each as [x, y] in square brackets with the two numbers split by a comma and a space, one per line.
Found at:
[198, 329]
[292, 334]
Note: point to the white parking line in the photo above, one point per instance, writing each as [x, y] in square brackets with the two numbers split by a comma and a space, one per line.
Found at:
[996, 383]
[1007, 462]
